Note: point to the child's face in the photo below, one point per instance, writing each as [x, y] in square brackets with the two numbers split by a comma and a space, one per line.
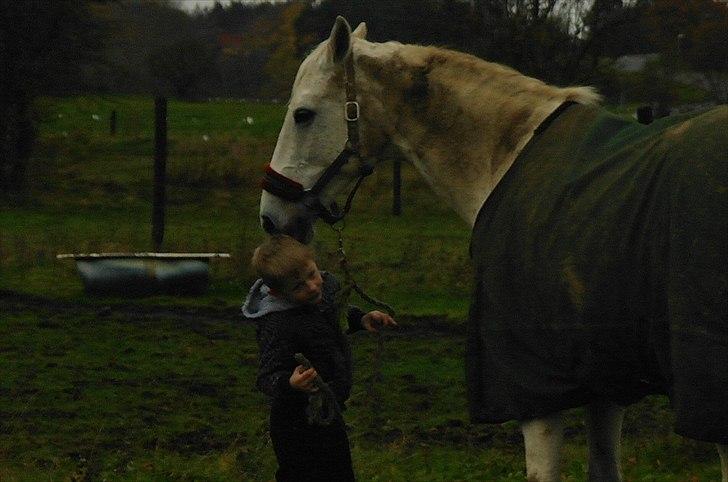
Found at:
[307, 288]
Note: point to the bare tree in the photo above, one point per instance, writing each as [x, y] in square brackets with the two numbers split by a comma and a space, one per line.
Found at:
[42, 45]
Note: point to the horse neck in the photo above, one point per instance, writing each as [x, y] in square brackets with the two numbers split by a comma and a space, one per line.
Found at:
[459, 120]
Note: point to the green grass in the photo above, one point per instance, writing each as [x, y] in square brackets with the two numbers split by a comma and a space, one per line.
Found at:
[133, 394]
[90, 192]
[160, 388]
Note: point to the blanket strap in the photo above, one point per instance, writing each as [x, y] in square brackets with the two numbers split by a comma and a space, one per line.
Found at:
[552, 117]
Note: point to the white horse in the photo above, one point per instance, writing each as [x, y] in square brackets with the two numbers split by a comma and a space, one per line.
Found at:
[462, 122]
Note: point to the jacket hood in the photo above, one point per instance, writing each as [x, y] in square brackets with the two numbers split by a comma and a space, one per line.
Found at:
[260, 301]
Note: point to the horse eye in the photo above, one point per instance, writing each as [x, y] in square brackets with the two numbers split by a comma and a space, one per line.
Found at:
[303, 116]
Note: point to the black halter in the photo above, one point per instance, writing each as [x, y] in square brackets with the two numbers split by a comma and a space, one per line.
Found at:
[290, 190]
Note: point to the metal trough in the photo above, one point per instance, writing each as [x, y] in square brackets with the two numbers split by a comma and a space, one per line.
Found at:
[142, 274]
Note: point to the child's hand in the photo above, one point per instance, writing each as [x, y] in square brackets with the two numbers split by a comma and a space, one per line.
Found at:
[374, 320]
[302, 379]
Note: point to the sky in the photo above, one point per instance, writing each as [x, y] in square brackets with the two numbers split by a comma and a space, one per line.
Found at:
[190, 5]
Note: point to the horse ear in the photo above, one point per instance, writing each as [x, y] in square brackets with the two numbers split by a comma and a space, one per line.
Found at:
[340, 40]
[360, 31]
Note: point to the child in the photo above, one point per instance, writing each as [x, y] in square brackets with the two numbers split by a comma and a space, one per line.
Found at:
[293, 306]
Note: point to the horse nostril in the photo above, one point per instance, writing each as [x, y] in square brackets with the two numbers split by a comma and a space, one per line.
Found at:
[268, 225]
[301, 229]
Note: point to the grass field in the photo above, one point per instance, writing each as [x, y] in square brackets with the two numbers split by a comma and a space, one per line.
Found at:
[91, 192]
[160, 388]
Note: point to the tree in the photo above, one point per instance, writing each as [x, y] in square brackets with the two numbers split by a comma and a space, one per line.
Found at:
[181, 66]
[615, 28]
[537, 37]
[438, 22]
[283, 63]
[534, 36]
[709, 54]
[692, 34]
[42, 45]
[258, 56]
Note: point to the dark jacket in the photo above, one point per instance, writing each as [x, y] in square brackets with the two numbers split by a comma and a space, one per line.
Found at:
[284, 328]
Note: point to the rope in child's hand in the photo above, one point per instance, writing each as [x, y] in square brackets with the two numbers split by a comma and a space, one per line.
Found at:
[322, 407]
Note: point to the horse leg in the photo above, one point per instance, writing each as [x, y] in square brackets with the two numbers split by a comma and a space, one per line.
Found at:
[723, 452]
[604, 429]
[543, 438]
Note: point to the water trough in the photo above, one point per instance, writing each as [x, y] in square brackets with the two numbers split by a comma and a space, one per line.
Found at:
[144, 274]
[140, 274]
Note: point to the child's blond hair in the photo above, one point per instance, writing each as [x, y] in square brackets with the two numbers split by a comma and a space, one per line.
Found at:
[280, 260]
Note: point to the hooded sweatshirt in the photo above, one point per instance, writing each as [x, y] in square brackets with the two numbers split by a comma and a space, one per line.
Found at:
[284, 328]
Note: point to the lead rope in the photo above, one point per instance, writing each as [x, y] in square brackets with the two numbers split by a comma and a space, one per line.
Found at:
[349, 285]
[322, 408]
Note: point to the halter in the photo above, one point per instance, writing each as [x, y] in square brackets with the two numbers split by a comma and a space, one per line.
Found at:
[286, 188]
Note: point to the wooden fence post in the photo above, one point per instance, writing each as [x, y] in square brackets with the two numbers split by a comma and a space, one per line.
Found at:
[160, 166]
[112, 123]
[397, 188]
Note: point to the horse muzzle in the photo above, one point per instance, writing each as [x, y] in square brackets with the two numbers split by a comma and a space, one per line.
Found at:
[285, 218]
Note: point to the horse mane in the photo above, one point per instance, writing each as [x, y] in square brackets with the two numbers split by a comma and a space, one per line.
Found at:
[465, 71]
[456, 112]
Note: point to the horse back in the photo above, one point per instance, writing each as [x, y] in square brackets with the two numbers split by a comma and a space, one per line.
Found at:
[582, 256]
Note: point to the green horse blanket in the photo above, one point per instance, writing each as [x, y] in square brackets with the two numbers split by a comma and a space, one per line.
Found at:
[600, 264]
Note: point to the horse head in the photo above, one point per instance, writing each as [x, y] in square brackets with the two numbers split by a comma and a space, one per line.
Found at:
[317, 164]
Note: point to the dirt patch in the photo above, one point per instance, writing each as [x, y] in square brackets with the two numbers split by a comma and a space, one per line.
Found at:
[198, 318]
[14, 302]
